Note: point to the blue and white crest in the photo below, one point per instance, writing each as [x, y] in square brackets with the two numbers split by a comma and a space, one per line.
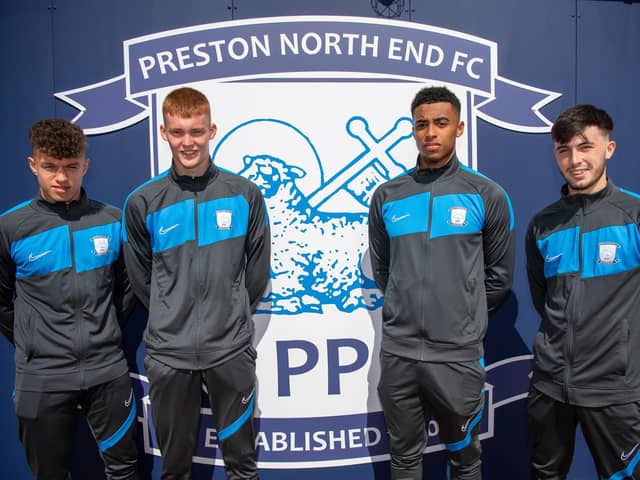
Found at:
[315, 111]
[607, 253]
[100, 245]
[223, 219]
[458, 216]
[318, 224]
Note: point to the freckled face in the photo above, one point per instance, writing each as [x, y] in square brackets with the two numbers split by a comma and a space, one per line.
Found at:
[436, 126]
[189, 141]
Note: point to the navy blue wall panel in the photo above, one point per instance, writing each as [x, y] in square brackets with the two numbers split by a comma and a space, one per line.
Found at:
[587, 50]
[608, 59]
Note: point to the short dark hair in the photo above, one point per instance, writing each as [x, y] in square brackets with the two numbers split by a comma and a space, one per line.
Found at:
[573, 122]
[58, 138]
[435, 95]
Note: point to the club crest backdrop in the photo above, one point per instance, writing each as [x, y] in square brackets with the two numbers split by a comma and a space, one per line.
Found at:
[312, 102]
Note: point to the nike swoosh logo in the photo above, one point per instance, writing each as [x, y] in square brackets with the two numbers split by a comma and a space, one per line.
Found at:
[464, 427]
[128, 402]
[625, 456]
[33, 258]
[245, 400]
[164, 231]
[553, 258]
[395, 219]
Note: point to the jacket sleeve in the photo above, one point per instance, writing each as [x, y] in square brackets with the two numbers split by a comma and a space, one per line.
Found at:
[136, 246]
[499, 247]
[123, 296]
[535, 270]
[378, 243]
[257, 248]
[7, 288]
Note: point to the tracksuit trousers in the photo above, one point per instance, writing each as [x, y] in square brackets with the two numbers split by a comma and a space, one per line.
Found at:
[412, 392]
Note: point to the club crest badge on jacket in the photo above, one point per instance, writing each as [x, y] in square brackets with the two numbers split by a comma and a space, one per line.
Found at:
[100, 245]
[223, 219]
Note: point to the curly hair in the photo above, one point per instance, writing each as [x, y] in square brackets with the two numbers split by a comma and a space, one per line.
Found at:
[435, 95]
[58, 138]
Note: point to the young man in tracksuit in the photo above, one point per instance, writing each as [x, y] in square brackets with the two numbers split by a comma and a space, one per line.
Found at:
[583, 263]
[64, 295]
[197, 244]
[441, 244]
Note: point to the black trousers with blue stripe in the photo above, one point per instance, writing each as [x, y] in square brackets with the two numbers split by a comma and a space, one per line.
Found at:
[47, 420]
[412, 393]
[176, 398]
[612, 434]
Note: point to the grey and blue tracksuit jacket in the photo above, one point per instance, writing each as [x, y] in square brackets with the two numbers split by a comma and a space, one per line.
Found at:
[198, 253]
[64, 293]
[442, 251]
[583, 264]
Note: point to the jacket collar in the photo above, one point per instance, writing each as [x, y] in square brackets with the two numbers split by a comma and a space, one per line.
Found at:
[428, 175]
[70, 209]
[194, 184]
[587, 201]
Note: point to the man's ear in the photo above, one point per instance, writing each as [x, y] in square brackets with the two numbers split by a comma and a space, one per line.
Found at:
[611, 147]
[32, 165]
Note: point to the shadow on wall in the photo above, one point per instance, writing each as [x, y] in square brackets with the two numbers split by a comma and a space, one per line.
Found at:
[503, 339]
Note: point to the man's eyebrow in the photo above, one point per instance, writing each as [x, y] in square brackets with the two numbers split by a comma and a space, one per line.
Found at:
[436, 119]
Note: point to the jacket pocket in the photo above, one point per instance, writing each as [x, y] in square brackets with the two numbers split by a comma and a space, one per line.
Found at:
[625, 342]
[549, 356]
[163, 284]
[601, 354]
[239, 305]
[453, 319]
[469, 327]
[389, 295]
[26, 326]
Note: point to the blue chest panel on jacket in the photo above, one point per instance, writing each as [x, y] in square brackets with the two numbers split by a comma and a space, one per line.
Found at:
[610, 250]
[222, 219]
[171, 226]
[560, 252]
[218, 220]
[96, 247]
[407, 215]
[42, 253]
[457, 214]
[51, 250]
[454, 214]
[605, 251]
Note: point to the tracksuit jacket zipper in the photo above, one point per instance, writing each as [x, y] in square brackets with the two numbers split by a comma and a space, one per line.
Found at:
[427, 259]
[198, 278]
[573, 306]
[75, 305]
[195, 185]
